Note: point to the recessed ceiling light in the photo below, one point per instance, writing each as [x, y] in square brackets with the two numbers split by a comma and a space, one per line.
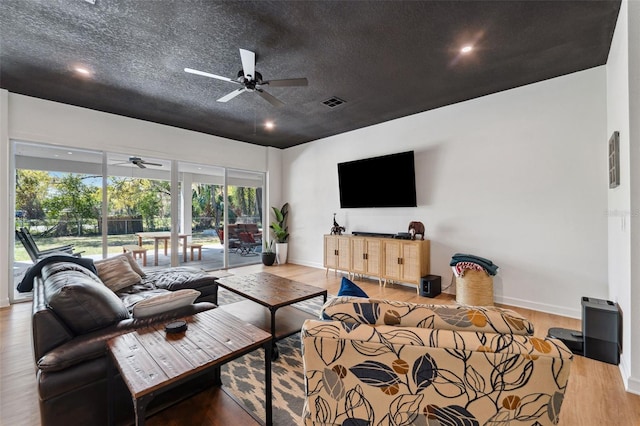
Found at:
[82, 71]
[466, 49]
[269, 125]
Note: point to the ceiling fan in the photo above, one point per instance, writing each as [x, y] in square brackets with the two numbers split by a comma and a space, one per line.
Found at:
[142, 163]
[251, 80]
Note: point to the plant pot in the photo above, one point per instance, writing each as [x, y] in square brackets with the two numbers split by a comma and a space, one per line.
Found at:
[268, 258]
[281, 253]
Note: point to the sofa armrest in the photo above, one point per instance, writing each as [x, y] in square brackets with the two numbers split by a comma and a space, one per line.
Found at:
[390, 375]
[446, 317]
[93, 345]
[48, 330]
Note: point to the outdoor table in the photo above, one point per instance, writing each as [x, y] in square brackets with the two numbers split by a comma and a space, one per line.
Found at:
[164, 236]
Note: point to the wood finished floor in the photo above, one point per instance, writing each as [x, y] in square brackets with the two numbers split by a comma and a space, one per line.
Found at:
[595, 395]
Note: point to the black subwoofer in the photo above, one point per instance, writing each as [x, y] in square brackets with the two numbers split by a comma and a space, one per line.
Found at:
[430, 285]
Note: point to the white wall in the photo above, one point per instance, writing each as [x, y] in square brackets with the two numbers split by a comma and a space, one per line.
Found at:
[621, 219]
[519, 177]
[633, 381]
[623, 115]
[35, 120]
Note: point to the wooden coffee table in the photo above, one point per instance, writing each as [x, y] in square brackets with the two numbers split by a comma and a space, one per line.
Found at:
[276, 294]
[151, 361]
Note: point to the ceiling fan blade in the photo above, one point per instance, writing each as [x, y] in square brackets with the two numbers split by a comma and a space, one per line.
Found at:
[270, 98]
[152, 164]
[231, 95]
[206, 74]
[142, 166]
[288, 82]
[248, 63]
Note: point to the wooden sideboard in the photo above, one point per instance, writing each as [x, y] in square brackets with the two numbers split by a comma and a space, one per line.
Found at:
[387, 259]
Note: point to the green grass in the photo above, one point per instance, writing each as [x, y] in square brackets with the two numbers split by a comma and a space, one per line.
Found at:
[92, 245]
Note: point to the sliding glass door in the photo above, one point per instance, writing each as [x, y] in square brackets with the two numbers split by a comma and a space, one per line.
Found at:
[102, 202]
[139, 206]
[202, 207]
[58, 202]
[244, 213]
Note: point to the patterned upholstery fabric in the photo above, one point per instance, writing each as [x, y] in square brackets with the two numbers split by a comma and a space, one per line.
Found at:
[375, 374]
[446, 317]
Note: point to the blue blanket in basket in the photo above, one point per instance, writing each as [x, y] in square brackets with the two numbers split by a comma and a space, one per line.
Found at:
[488, 265]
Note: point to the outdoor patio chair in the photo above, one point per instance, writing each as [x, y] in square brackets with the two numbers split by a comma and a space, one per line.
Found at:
[234, 243]
[251, 228]
[34, 252]
[248, 244]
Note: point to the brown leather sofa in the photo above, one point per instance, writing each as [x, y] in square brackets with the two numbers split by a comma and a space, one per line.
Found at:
[74, 315]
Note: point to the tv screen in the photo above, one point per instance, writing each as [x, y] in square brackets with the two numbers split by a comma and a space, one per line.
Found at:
[387, 181]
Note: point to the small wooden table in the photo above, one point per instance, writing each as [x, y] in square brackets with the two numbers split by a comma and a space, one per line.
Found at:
[151, 361]
[162, 236]
[275, 293]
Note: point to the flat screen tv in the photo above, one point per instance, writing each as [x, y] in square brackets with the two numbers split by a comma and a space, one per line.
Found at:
[386, 181]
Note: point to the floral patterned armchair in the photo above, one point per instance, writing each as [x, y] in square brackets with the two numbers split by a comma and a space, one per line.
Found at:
[379, 362]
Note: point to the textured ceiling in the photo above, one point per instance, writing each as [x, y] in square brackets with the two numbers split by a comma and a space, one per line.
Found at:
[386, 59]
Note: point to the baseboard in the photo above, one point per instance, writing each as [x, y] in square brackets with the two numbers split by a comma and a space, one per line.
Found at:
[4, 302]
[309, 264]
[540, 307]
[633, 385]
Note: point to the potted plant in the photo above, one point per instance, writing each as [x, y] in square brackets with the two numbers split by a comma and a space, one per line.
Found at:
[281, 232]
[268, 255]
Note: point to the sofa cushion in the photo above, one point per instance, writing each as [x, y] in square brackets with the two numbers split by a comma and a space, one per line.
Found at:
[61, 267]
[166, 302]
[179, 277]
[26, 284]
[116, 272]
[406, 314]
[82, 303]
[137, 293]
[133, 263]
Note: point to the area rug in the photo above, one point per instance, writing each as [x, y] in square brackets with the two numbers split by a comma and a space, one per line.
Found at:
[245, 376]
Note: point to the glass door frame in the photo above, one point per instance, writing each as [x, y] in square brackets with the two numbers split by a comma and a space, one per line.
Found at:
[179, 200]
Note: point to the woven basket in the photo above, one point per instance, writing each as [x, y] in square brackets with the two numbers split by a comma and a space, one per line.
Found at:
[474, 288]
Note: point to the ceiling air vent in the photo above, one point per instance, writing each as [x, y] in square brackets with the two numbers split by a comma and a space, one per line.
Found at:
[333, 102]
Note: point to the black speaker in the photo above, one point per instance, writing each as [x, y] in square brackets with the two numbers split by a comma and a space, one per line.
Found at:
[602, 330]
[430, 285]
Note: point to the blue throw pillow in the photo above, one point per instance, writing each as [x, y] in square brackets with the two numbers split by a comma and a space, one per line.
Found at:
[348, 288]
